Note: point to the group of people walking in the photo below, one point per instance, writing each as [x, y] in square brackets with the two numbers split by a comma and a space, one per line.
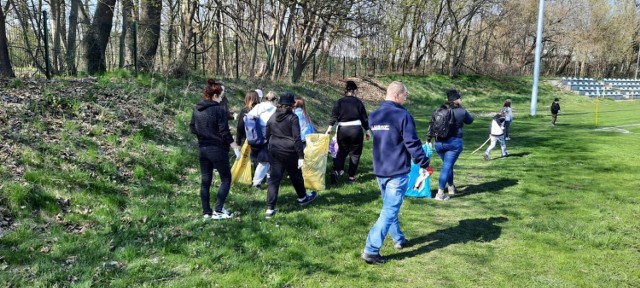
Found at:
[284, 122]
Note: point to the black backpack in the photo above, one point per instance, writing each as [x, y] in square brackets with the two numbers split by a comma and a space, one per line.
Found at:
[443, 123]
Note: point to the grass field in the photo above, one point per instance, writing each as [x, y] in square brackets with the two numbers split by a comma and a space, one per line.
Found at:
[561, 211]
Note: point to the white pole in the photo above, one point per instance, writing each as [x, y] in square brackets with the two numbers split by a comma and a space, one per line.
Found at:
[536, 67]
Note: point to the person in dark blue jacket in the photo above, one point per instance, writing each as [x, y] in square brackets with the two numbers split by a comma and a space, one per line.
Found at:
[395, 143]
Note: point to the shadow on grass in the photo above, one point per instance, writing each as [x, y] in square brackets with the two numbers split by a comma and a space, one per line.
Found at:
[491, 186]
[468, 230]
[521, 154]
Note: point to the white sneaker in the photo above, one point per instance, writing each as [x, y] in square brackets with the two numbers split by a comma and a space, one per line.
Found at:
[508, 138]
[452, 190]
[219, 216]
[441, 197]
[269, 213]
[206, 217]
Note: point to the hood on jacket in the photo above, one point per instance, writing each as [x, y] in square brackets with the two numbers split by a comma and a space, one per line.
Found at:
[204, 104]
[282, 113]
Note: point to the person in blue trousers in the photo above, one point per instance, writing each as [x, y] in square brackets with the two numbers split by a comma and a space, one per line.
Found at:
[395, 143]
[449, 148]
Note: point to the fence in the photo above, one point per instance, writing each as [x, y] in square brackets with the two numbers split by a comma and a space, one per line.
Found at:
[33, 54]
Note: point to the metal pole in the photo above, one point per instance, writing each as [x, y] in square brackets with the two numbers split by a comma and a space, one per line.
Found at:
[217, 54]
[313, 74]
[637, 63]
[134, 29]
[268, 61]
[46, 46]
[329, 66]
[202, 42]
[344, 66]
[237, 60]
[536, 67]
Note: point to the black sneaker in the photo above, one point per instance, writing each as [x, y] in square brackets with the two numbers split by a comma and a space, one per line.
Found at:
[308, 198]
[334, 178]
[373, 258]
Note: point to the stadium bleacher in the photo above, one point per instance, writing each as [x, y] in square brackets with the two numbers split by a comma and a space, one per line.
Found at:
[613, 88]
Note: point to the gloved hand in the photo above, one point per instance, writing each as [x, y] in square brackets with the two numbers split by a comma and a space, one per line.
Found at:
[235, 116]
[300, 163]
[329, 130]
[237, 151]
[367, 135]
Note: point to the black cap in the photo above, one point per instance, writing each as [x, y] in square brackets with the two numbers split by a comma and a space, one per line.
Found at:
[453, 95]
[351, 86]
[556, 100]
[287, 99]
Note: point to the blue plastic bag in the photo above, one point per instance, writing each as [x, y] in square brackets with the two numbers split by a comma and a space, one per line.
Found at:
[423, 189]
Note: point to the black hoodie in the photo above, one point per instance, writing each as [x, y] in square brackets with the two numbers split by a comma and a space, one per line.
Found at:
[210, 123]
[283, 133]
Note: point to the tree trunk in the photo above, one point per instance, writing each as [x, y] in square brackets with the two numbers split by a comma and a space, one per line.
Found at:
[5, 62]
[71, 40]
[127, 5]
[97, 37]
[181, 66]
[149, 33]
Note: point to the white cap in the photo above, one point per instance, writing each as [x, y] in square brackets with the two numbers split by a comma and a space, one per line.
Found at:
[259, 93]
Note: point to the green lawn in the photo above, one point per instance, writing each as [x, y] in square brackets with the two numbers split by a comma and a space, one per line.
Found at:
[561, 211]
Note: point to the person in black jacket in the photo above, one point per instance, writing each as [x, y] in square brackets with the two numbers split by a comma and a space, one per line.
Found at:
[555, 108]
[449, 148]
[285, 153]
[351, 117]
[250, 101]
[209, 122]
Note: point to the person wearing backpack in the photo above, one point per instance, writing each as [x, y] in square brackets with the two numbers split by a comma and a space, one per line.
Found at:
[210, 123]
[285, 154]
[496, 133]
[255, 123]
[555, 109]
[306, 127]
[446, 128]
[350, 115]
[250, 101]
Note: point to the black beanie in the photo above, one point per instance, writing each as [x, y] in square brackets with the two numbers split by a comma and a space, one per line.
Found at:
[453, 95]
[351, 86]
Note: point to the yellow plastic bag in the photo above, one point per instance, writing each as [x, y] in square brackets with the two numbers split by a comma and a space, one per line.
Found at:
[315, 161]
[241, 169]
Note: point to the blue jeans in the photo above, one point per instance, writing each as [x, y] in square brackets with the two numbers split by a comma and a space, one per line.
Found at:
[448, 150]
[392, 189]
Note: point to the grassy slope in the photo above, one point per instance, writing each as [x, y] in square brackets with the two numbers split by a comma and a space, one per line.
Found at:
[562, 211]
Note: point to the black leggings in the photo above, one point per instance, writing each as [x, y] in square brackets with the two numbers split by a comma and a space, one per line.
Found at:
[349, 143]
[280, 162]
[213, 157]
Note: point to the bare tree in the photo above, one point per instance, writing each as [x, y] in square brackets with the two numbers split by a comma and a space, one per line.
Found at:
[5, 62]
[97, 37]
[149, 32]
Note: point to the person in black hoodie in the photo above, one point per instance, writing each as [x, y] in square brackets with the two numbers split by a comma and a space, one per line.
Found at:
[285, 153]
[210, 123]
[351, 117]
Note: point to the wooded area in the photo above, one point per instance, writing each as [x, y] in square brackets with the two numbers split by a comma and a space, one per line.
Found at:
[275, 40]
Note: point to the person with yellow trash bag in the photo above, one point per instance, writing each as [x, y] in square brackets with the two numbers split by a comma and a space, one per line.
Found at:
[285, 154]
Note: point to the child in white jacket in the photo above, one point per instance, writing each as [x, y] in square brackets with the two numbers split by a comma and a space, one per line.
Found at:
[497, 134]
